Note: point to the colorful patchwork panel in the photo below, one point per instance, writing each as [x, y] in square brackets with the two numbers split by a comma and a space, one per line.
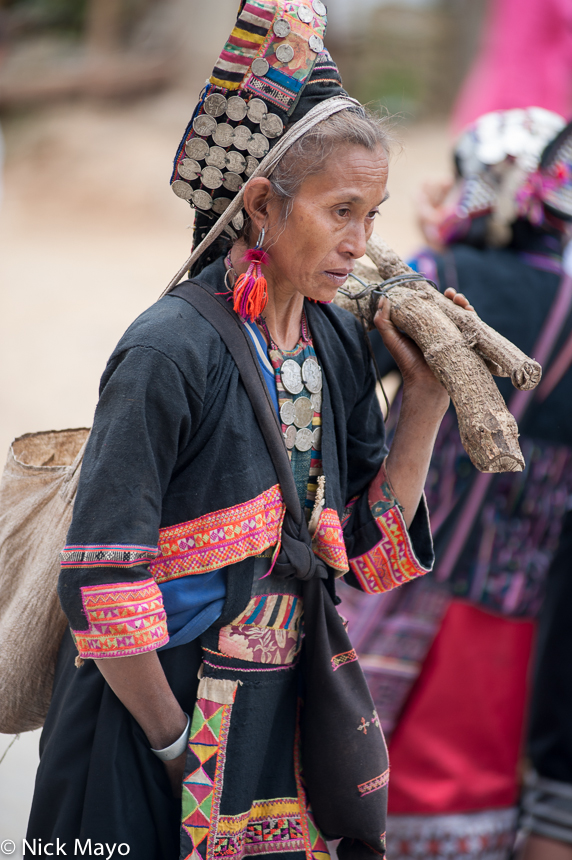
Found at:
[392, 561]
[107, 555]
[249, 33]
[221, 538]
[328, 541]
[268, 631]
[271, 826]
[124, 618]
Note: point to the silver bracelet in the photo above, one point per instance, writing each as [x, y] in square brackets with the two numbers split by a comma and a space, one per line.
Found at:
[177, 748]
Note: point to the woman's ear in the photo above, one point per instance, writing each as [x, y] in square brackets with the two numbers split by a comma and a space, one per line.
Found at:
[257, 195]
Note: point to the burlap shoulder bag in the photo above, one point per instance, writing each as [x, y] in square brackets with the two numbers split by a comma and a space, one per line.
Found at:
[37, 491]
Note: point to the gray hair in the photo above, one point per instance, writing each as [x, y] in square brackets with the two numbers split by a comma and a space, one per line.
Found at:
[309, 154]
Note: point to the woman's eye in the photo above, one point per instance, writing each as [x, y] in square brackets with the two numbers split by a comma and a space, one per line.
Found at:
[371, 215]
[343, 212]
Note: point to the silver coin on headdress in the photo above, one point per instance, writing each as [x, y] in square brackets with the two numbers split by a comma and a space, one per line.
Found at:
[319, 8]
[235, 162]
[215, 104]
[211, 177]
[204, 125]
[216, 157]
[189, 169]
[182, 189]
[236, 108]
[220, 204]
[242, 137]
[305, 14]
[202, 199]
[233, 182]
[197, 148]
[311, 374]
[256, 110]
[238, 221]
[304, 439]
[260, 66]
[291, 376]
[271, 125]
[224, 134]
[315, 398]
[303, 411]
[281, 28]
[287, 412]
[284, 53]
[251, 165]
[317, 434]
[316, 44]
[290, 437]
[258, 145]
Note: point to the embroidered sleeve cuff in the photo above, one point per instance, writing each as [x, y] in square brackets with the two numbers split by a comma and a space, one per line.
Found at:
[124, 618]
[399, 556]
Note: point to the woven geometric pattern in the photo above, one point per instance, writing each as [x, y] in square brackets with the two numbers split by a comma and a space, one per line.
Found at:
[124, 618]
[374, 784]
[106, 555]
[342, 659]
[392, 561]
[244, 43]
[220, 538]
[271, 826]
[277, 611]
[328, 542]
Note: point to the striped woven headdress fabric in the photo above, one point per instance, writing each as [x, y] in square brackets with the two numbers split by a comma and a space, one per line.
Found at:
[271, 71]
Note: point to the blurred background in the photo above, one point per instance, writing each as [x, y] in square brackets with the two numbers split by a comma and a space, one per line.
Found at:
[94, 96]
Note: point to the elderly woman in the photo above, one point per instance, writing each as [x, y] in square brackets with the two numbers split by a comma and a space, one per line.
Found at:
[181, 584]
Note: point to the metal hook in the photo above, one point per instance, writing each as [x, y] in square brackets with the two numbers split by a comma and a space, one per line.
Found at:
[260, 242]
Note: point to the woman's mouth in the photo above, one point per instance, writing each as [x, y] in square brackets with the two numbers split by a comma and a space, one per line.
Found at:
[337, 276]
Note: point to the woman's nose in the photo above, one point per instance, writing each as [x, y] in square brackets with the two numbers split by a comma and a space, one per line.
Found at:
[354, 242]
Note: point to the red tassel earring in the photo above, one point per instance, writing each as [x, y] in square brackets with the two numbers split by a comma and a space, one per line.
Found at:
[250, 291]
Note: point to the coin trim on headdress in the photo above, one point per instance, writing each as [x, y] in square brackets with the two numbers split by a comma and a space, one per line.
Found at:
[189, 169]
[215, 104]
[206, 123]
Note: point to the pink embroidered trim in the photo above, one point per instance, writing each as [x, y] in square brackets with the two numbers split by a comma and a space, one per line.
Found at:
[220, 538]
[329, 542]
[240, 669]
[342, 659]
[124, 618]
[374, 784]
[392, 561]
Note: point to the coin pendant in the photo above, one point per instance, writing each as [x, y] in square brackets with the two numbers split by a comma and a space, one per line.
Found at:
[319, 8]
[216, 157]
[271, 125]
[232, 182]
[258, 145]
[220, 204]
[204, 125]
[281, 28]
[235, 162]
[224, 134]
[202, 199]
[238, 221]
[236, 108]
[316, 44]
[284, 53]
[242, 137]
[305, 14]
[182, 189]
[211, 177]
[317, 434]
[189, 168]
[197, 148]
[311, 373]
[315, 398]
[291, 376]
[290, 437]
[303, 411]
[215, 104]
[251, 165]
[256, 110]
[260, 66]
[304, 439]
[287, 412]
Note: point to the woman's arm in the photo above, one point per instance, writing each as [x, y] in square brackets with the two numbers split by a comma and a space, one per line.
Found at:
[139, 682]
[425, 402]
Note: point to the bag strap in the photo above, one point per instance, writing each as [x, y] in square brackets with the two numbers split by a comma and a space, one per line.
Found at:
[241, 348]
[519, 403]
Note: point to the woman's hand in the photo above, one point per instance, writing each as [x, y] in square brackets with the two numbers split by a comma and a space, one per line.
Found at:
[458, 299]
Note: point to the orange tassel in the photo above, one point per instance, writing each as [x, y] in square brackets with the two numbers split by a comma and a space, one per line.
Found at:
[250, 293]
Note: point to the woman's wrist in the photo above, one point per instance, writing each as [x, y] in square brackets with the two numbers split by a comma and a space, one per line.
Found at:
[165, 733]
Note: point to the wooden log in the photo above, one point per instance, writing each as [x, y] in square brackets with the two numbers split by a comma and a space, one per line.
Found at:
[461, 350]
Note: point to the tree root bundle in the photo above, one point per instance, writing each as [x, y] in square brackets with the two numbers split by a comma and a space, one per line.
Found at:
[461, 350]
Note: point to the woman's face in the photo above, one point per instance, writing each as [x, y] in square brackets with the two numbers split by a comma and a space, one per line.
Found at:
[331, 220]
